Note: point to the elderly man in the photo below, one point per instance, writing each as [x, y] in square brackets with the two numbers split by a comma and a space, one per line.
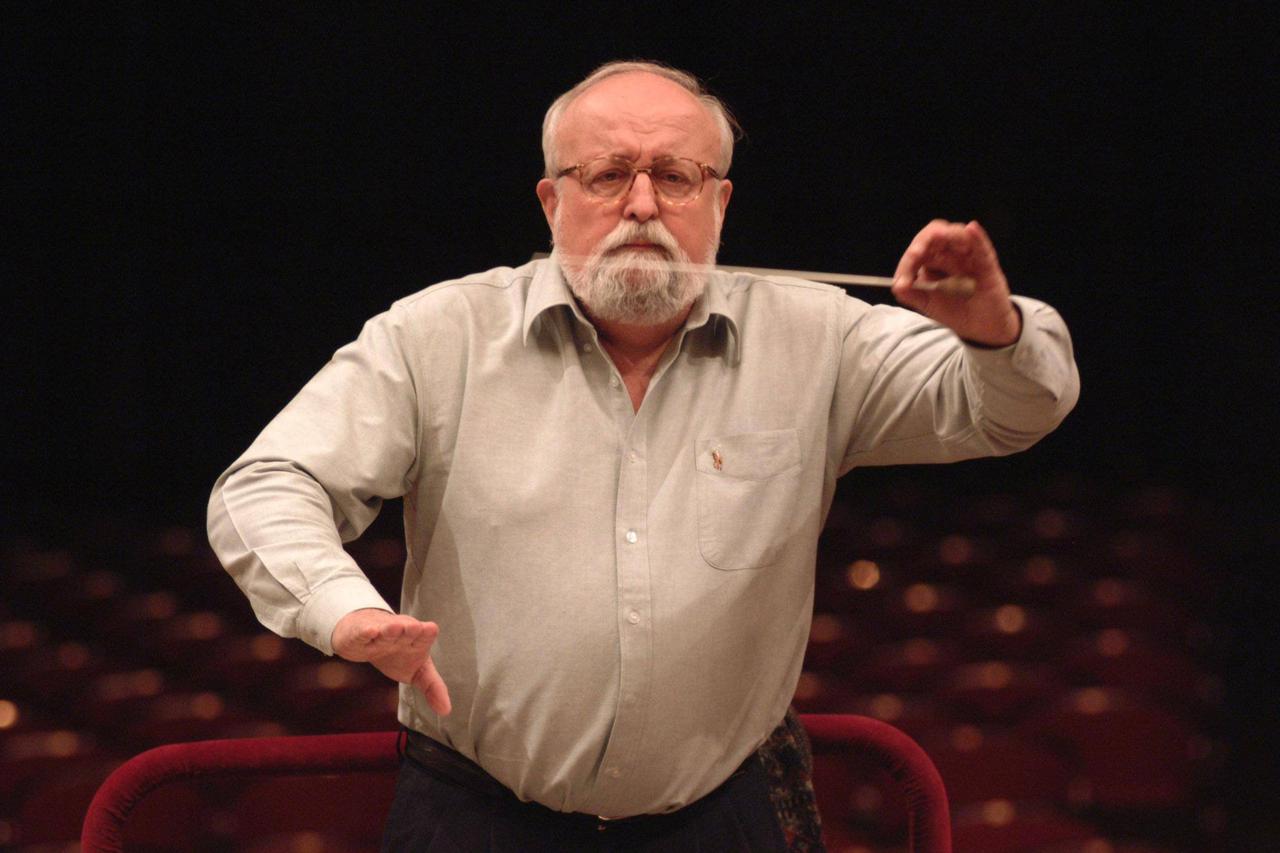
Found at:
[615, 465]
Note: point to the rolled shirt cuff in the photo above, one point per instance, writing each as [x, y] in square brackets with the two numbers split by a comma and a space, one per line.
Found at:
[1038, 354]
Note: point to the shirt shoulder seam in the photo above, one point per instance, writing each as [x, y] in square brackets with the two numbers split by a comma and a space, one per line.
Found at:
[466, 281]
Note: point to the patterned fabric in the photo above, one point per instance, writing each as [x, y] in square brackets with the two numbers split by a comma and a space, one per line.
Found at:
[788, 762]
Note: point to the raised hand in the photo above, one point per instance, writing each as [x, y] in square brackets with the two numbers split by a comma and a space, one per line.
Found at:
[398, 646]
[943, 249]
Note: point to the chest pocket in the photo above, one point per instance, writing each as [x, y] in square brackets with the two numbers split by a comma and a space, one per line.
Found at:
[748, 485]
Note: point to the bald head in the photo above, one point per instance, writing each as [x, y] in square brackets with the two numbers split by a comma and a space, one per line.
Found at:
[640, 117]
[646, 80]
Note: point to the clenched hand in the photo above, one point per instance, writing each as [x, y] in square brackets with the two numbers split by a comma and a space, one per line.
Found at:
[942, 249]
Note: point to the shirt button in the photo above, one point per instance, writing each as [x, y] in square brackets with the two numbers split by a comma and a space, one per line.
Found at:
[613, 382]
[613, 772]
[633, 456]
[633, 537]
[587, 347]
[633, 617]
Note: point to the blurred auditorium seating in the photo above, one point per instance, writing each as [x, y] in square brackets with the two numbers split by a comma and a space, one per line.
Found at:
[1048, 645]
[283, 788]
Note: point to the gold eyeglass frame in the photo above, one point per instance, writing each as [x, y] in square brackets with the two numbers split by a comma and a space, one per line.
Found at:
[704, 169]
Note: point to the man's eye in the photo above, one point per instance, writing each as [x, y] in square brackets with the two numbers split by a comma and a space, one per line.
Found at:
[674, 177]
[609, 176]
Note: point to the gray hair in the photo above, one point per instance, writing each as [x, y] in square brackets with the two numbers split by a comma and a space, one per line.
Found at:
[727, 124]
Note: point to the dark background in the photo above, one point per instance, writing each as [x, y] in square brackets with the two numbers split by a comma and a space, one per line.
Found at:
[201, 206]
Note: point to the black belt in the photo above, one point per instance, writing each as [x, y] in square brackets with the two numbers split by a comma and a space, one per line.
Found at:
[456, 769]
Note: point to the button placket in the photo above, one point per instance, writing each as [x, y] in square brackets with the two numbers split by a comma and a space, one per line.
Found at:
[634, 597]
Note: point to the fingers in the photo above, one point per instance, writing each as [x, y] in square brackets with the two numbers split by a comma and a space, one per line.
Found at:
[406, 629]
[375, 635]
[403, 636]
[982, 252]
[943, 249]
[981, 310]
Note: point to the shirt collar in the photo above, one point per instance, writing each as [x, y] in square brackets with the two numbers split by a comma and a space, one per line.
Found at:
[713, 309]
[547, 290]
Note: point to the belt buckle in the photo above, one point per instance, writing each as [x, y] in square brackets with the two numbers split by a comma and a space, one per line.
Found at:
[602, 822]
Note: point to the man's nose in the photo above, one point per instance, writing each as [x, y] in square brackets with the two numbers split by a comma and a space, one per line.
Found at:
[640, 202]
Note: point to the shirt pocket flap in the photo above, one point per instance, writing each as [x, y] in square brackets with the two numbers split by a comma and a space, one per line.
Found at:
[749, 455]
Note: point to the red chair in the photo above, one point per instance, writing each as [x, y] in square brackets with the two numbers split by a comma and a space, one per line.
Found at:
[928, 822]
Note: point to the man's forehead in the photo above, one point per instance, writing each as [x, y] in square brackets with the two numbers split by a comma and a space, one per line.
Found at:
[647, 106]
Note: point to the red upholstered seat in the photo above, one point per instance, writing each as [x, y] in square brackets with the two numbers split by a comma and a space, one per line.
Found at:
[258, 766]
[205, 778]
[350, 807]
[859, 798]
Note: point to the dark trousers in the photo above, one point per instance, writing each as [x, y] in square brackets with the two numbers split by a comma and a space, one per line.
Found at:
[433, 815]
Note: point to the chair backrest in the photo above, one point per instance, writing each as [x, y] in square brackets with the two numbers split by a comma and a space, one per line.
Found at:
[310, 755]
[928, 814]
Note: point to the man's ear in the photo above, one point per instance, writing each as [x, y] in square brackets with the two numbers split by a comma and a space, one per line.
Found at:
[546, 191]
[726, 190]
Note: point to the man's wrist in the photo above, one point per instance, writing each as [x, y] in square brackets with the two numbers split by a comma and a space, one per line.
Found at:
[332, 601]
[1013, 325]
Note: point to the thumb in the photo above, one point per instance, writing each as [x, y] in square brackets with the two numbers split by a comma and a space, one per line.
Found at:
[908, 296]
[428, 680]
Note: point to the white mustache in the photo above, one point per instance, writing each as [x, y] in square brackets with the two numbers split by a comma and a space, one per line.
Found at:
[654, 237]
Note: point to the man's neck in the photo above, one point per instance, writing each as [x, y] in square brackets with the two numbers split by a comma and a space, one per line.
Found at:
[637, 349]
[636, 342]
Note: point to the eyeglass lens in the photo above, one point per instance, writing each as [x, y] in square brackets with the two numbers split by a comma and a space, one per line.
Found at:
[676, 178]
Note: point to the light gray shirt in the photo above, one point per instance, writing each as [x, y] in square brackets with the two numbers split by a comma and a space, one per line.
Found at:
[623, 597]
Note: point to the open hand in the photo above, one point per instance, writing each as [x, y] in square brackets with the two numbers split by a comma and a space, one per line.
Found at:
[942, 249]
[398, 646]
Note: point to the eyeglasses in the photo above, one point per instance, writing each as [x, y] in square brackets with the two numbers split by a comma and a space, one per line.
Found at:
[678, 180]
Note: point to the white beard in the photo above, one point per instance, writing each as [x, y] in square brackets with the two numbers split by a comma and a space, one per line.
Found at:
[645, 287]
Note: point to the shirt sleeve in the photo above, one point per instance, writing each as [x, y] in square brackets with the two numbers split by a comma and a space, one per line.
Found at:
[910, 391]
[314, 478]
